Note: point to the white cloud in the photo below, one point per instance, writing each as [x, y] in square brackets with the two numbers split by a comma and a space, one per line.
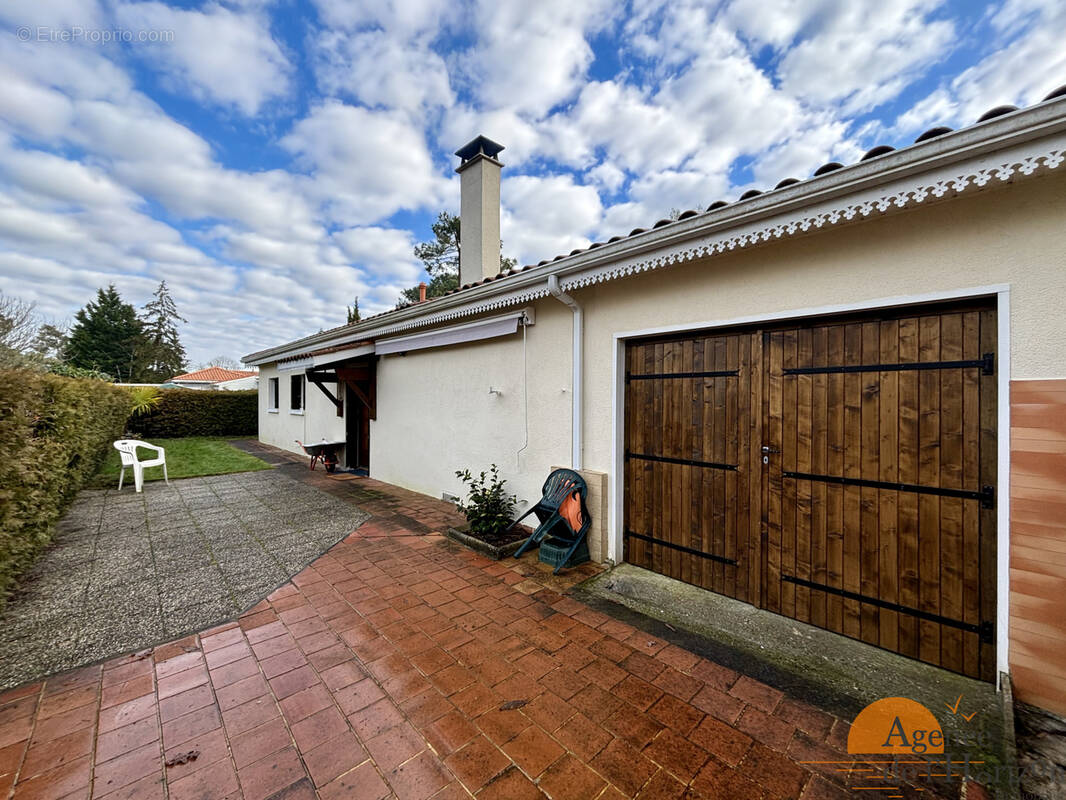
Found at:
[773, 23]
[543, 217]
[53, 14]
[216, 54]
[384, 253]
[1020, 73]
[637, 132]
[31, 108]
[804, 153]
[531, 56]
[380, 70]
[862, 54]
[48, 177]
[364, 165]
[404, 18]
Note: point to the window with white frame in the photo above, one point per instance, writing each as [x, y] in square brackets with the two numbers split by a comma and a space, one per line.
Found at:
[272, 394]
[296, 394]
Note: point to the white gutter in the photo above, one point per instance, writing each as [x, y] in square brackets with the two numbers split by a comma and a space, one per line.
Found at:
[578, 336]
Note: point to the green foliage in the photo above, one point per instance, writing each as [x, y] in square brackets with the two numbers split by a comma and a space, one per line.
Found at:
[163, 355]
[353, 312]
[187, 412]
[144, 399]
[107, 336]
[440, 256]
[70, 371]
[488, 507]
[54, 432]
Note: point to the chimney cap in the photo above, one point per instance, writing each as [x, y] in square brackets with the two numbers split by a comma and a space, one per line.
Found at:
[481, 146]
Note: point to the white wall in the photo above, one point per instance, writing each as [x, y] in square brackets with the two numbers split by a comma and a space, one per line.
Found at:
[436, 415]
[281, 428]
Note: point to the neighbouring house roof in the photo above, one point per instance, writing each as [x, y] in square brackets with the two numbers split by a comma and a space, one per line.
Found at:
[214, 375]
[883, 180]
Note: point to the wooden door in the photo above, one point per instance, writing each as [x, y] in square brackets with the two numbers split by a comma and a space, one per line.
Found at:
[880, 518]
[692, 473]
[838, 472]
[357, 429]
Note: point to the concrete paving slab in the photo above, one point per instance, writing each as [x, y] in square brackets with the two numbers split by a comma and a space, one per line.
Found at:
[126, 571]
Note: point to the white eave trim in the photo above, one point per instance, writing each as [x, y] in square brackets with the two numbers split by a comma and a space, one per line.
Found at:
[490, 328]
[1004, 149]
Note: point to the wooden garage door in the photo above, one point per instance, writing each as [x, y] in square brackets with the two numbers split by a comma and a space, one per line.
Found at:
[839, 473]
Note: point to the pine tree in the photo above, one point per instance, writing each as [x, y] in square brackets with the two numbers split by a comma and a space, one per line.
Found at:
[353, 312]
[107, 336]
[164, 353]
[440, 256]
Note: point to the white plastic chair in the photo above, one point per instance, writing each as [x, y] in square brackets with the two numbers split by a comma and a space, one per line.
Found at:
[127, 450]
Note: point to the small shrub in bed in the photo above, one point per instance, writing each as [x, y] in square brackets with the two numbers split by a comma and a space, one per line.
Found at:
[488, 507]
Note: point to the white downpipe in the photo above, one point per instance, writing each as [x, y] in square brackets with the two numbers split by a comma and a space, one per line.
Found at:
[575, 414]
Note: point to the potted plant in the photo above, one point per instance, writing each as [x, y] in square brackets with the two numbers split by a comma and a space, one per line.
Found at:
[489, 511]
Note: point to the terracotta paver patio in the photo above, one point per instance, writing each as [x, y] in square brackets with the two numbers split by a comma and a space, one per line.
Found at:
[402, 665]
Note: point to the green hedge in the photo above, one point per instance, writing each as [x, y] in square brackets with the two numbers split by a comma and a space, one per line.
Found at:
[54, 432]
[186, 412]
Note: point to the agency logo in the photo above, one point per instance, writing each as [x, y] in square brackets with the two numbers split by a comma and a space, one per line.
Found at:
[895, 726]
[897, 742]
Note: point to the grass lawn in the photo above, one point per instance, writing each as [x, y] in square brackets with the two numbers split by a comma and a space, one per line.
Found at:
[188, 457]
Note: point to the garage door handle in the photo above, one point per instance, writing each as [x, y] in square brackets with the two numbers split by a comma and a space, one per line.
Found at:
[767, 449]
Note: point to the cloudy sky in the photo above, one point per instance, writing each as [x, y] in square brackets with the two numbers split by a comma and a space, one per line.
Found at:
[273, 159]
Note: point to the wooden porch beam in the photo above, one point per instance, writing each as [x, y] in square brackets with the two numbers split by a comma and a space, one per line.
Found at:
[367, 398]
[339, 404]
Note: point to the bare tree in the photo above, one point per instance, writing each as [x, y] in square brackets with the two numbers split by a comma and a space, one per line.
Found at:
[222, 361]
[19, 324]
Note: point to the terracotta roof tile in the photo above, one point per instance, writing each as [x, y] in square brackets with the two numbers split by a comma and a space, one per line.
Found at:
[214, 375]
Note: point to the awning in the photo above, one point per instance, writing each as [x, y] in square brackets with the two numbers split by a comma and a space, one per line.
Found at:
[456, 334]
[342, 355]
[296, 364]
[335, 355]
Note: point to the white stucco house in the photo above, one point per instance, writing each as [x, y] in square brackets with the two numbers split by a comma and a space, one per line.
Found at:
[217, 379]
[841, 399]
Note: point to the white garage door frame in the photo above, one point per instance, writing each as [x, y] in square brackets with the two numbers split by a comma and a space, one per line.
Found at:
[1002, 294]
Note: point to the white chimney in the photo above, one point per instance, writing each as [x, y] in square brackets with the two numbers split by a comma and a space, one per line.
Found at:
[479, 210]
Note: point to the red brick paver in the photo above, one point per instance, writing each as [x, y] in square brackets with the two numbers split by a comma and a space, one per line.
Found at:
[399, 664]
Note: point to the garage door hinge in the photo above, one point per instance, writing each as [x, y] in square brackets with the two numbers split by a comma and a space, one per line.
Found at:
[988, 497]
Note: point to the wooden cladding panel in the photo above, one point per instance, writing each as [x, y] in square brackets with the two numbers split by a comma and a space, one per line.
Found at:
[1038, 542]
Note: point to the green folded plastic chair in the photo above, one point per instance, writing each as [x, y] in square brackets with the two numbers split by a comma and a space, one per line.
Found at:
[556, 519]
